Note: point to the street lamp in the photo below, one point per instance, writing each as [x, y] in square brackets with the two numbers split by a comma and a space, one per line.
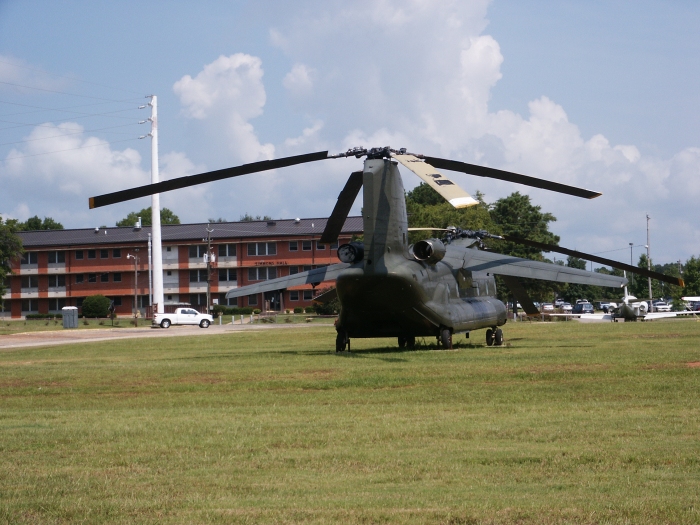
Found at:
[136, 280]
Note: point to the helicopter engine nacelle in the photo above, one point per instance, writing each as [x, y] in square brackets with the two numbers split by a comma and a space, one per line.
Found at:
[352, 252]
[430, 250]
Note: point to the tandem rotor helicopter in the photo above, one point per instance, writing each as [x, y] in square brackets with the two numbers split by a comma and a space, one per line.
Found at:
[433, 288]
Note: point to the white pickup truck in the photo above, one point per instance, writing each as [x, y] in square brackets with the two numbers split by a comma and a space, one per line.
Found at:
[182, 316]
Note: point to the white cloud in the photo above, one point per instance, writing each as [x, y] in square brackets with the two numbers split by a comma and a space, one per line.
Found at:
[299, 81]
[228, 93]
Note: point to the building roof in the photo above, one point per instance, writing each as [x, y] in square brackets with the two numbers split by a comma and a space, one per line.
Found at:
[184, 232]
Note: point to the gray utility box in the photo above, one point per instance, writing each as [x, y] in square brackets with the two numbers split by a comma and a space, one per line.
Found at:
[70, 317]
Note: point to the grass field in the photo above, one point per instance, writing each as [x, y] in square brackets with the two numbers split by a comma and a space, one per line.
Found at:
[569, 423]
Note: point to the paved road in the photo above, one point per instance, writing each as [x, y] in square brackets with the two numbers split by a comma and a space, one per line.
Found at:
[64, 337]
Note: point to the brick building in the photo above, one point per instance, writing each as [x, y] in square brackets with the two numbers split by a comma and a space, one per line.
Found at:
[62, 267]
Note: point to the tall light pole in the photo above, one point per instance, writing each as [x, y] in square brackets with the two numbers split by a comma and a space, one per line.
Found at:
[158, 297]
[136, 280]
[631, 261]
[649, 263]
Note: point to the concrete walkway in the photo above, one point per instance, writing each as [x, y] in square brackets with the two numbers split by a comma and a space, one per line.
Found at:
[65, 337]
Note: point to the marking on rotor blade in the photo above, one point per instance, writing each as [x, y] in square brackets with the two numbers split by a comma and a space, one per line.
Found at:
[435, 175]
[463, 201]
[443, 182]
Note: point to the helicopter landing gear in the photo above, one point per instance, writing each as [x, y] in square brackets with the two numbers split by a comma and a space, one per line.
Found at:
[342, 341]
[446, 338]
[407, 342]
[494, 336]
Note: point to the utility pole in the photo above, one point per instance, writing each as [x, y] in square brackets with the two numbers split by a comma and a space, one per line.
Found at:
[651, 301]
[631, 263]
[209, 258]
[158, 297]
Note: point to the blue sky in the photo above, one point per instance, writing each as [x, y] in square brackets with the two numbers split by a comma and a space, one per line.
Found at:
[604, 95]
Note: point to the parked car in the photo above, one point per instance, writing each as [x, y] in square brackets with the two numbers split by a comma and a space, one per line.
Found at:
[558, 303]
[566, 307]
[661, 306]
[583, 308]
[182, 316]
[547, 307]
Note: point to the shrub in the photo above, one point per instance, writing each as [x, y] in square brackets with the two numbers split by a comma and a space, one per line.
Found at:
[309, 310]
[256, 311]
[44, 316]
[96, 306]
[298, 310]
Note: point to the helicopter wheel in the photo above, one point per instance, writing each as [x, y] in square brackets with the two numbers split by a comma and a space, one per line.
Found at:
[402, 341]
[341, 341]
[498, 337]
[489, 337]
[410, 342]
[446, 338]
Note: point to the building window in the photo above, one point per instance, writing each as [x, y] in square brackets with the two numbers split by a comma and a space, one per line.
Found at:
[57, 257]
[198, 276]
[308, 295]
[227, 250]
[30, 281]
[104, 278]
[227, 274]
[334, 245]
[294, 296]
[117, 253]
[252, 300]
[168, 249]
[92, 254]
[117, 301]
[293, 246]
[262, 274]
[30, 305]
[198, 299]
[293, 270]
[78, 254]
[56, 305]
[197, 251]
[117, 277]
[307, 268]
[262, 248]
[29, 258]
[57, 281]
[92, 277]
[104, 254]
[79, 278]
[306, 246]
[320, 246]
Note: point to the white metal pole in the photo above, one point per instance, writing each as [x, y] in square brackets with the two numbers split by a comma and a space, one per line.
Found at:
[158, 297]
[150, 270]
[651, 301]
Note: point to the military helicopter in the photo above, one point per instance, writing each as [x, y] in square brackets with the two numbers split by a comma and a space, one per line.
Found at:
[388, 288]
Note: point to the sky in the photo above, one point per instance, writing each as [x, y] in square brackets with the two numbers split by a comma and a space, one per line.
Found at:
[601, 95]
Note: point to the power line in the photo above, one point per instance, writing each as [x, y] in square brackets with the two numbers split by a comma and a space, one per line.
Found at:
[71, 133]
[69, 149]
[39, 124]
[64, 110]
[58, 92]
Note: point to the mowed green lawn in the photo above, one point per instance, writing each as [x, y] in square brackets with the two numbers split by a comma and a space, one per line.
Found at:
[569, 423]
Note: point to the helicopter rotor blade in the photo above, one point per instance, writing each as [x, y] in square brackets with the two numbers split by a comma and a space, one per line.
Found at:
[342, 208]
[492, 173]
[193, 180]
[590, 257]
[450, 191]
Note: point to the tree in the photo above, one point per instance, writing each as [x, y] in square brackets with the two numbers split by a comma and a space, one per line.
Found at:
[249, 218]
[10, 248]
[166, 217]
[35, 223]
[96, 306]
[516, 215]
[427, 209]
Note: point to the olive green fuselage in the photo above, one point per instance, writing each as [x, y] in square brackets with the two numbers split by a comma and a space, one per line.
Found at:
[390, 293]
